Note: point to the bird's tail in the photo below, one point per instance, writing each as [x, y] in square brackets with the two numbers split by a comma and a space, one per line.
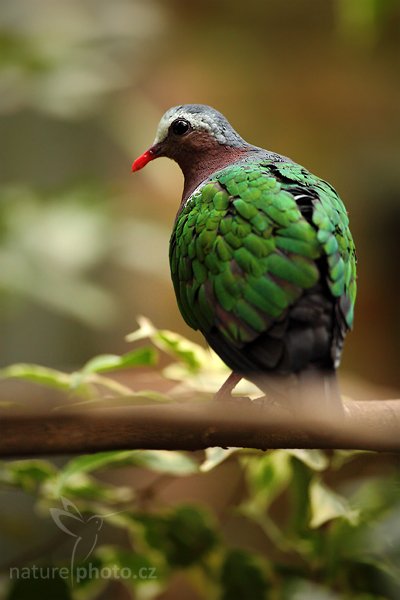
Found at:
[313, 392]
[318, 393]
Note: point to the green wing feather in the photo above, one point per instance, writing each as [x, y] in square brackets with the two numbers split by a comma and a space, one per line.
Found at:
[242, 252]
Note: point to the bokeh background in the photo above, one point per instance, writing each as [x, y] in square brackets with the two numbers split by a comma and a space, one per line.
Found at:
[84, 244]
[83, 83]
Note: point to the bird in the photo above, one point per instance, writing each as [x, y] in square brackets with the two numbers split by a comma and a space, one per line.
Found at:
[85, 531]
[262, 259]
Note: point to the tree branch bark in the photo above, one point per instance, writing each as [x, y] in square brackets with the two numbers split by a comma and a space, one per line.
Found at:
[363, 425]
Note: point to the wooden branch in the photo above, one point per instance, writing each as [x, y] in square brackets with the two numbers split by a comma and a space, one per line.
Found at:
[363, 425]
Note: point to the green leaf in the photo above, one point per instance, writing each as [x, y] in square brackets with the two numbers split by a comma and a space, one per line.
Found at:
[161, 461]
[141, 568]
[84, 487]
[79, 382]
[375, 495]
[325, 505]
[93, 462]
[209, 378]
[146, 330]
[185, 535]
[300, 589]
[192, 355]
[166, 461]
[180, 348]
[26, 474]
[215, 456]
[314, 459]
[342, 457]
[112, 362]
[268, 475]
[38, 374]
[242, 577]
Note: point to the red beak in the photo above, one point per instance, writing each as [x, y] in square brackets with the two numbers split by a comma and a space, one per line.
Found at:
[142, 160]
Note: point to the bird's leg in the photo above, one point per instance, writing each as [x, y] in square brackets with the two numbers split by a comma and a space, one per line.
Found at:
[225, 391]
[276, 389]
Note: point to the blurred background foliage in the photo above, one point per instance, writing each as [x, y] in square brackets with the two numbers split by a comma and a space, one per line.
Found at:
[84, 246]
[224, 524]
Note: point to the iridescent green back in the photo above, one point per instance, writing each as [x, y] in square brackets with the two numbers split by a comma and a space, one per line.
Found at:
[242, 252]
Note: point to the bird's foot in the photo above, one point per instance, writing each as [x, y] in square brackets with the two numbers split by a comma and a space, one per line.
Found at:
[225, 391]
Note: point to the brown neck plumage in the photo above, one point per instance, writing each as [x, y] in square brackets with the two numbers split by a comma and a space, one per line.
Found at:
[199, 168]
[199, 156]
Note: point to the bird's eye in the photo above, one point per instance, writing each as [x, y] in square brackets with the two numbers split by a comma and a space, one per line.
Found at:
[180, 126]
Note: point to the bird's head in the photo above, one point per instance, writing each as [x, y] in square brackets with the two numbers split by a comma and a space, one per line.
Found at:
[189, 133]
[97, 521]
